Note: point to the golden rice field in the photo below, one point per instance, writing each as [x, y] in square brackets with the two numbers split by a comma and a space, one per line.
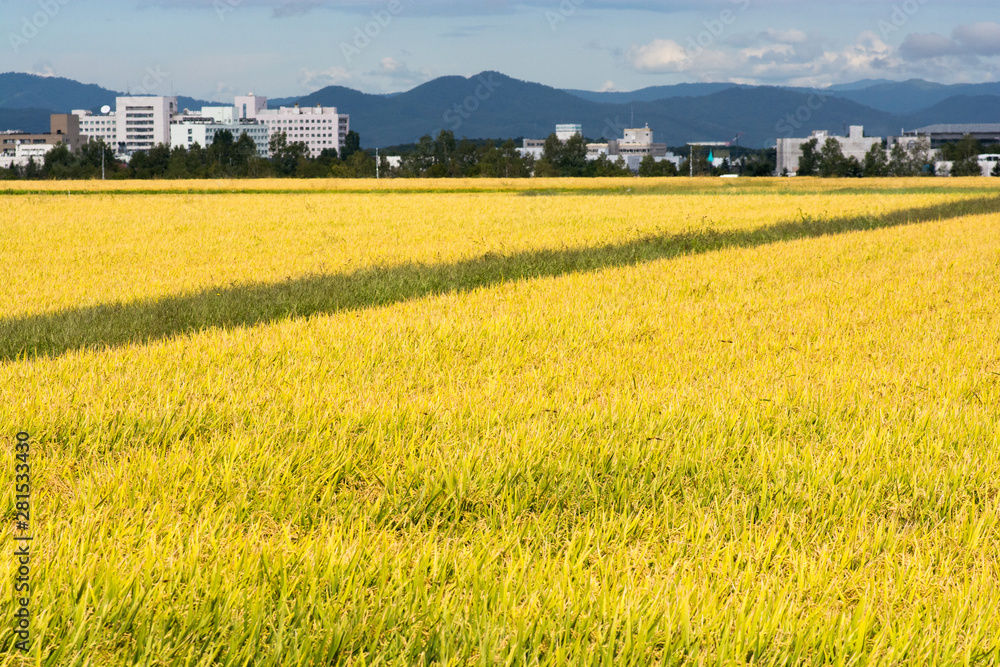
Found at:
[504, 423]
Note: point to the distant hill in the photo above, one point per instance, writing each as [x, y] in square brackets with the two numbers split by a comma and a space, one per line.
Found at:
[898, 97]
[25, 91]
[978, 109]
[25, 120]
[497, 106]
[494, 105]
[518, 108]
[909, 97]
[654, 93]
[859, 85]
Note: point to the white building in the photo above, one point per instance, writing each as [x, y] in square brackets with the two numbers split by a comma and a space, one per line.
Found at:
[567, 131]
[144, 122]
[192, 130]
[137, 123]
[988, 163]
[564, 132]
[637, 142]
[855, 145]
[24, 153]
[317, 127]
[633, 147]
[103, 127]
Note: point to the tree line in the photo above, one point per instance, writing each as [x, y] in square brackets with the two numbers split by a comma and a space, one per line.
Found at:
[829, 161]
[446, 157]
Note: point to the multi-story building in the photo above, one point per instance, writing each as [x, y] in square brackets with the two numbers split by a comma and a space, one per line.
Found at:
[64, 129]
[139, 123]
[637, 141]
[144, 122]
[567, 131]
[103, 127]
[202, 131]
[317, 127]
[855, 145]
[136, 124]
[23, 154]
[564, 132]
[634, 145]
[938, 135]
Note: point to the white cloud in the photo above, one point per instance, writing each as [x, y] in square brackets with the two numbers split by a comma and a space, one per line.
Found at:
[786, 36]
[332, 76]
[979, 38]
[785, 58]
[398, 70]
[660, 55]
[967, 45]
[918, 46]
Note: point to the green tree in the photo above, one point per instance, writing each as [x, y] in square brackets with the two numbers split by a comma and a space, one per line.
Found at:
[544, 169]
[465, 160]
[968, 166]
[60, 163]
[876, 164]
[32, 171]
[650, 167]
[551, 156]
[153, 163]
[901, 162]
[964, 156]
[328, 157]
[602, 167]
[178, 166]
[510, 163]
[702, 166]
[574, 157]
[966, 148]
[352, 144]
[359, 165]
[287, 158]
[832, 162]
[809, 162]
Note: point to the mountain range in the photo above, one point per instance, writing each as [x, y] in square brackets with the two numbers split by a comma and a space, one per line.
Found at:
[491, 104]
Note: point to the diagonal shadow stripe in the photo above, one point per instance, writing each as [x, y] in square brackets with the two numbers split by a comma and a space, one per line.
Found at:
[52, 334]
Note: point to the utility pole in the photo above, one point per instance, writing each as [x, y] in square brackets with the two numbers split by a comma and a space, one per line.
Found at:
[377, 175]
[103, 153]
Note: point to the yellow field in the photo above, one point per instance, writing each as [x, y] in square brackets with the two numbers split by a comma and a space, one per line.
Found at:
[497, 422]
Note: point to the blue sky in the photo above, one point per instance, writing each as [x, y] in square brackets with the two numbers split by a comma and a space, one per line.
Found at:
[214, 49]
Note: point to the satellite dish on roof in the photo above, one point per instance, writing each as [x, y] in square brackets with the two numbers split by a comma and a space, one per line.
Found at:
[105, 109]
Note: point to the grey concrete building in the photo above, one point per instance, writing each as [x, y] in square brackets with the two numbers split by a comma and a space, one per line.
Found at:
[855, 144]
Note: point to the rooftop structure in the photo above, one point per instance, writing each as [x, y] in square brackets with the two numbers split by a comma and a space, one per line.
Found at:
[565, 132]
[938, 135]
[637, 141]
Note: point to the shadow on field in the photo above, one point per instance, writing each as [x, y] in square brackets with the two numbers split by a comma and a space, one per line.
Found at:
[55, 333]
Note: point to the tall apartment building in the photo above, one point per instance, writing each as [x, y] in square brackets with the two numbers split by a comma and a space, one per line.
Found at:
[136, 124]
[318, 127]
